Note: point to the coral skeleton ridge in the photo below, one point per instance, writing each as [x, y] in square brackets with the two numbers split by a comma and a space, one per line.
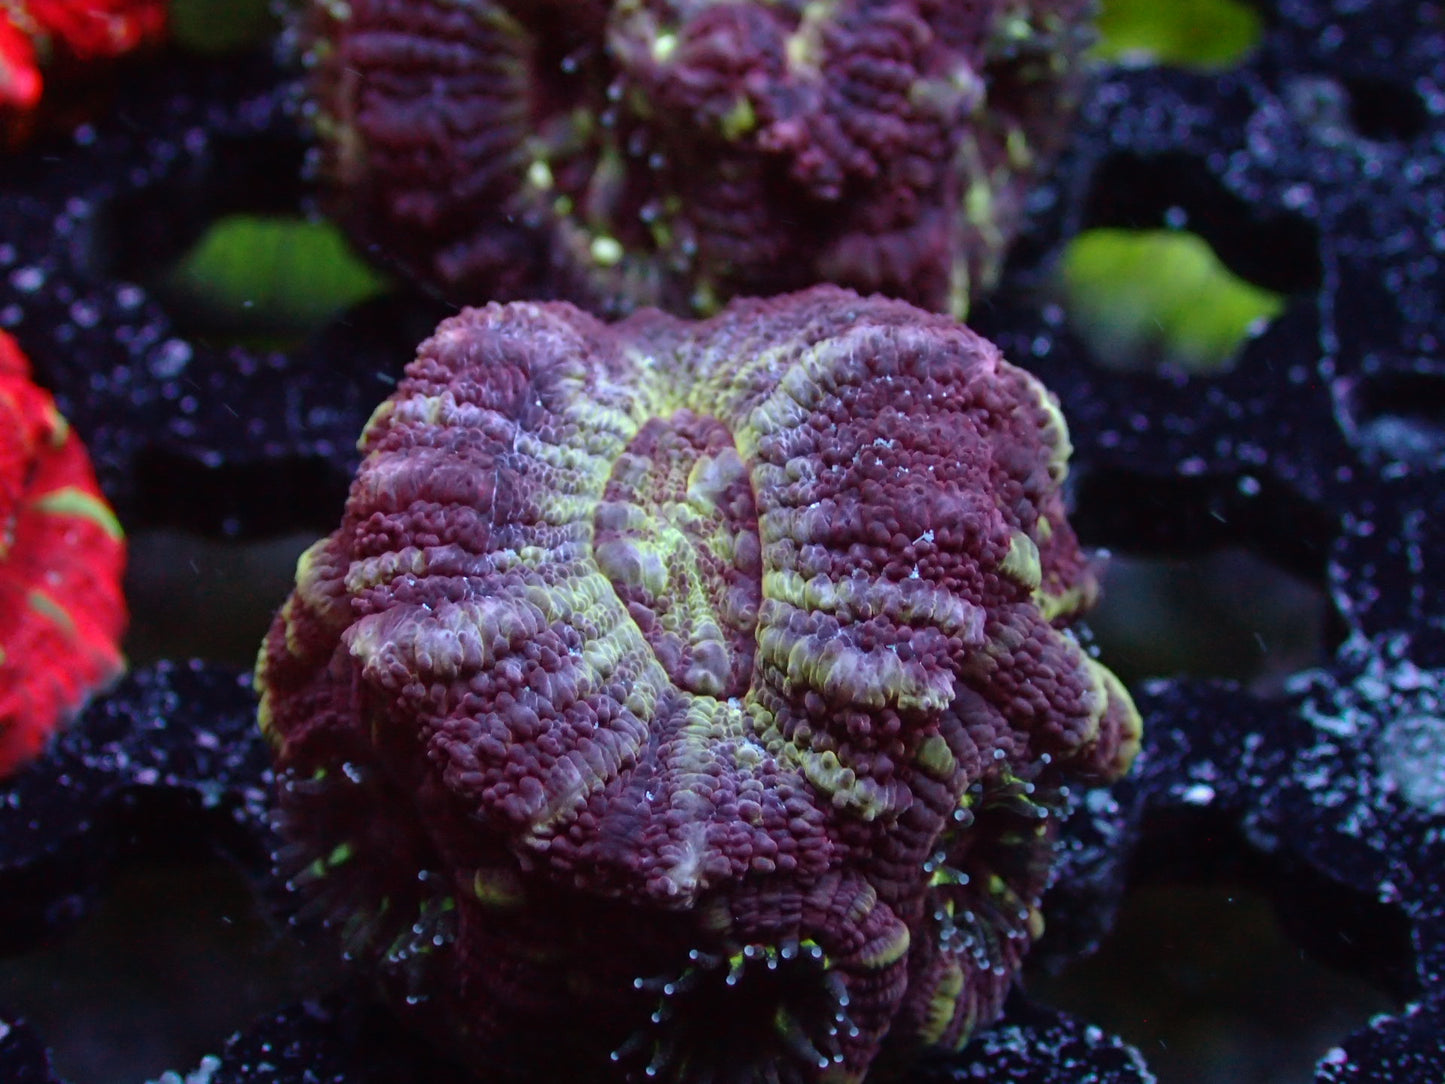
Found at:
[705, 683]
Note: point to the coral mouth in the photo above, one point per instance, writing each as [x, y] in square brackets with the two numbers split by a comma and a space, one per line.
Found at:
[677, 535]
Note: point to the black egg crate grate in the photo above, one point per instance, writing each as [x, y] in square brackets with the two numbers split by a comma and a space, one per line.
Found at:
[1316, 168]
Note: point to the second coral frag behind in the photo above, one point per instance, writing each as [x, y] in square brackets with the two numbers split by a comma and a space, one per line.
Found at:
[622, 154]
[61, 559]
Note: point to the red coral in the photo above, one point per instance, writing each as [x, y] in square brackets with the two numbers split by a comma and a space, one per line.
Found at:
[678, 153]
[61, 558]
[692, 698]
[64, 36]
[20, 81]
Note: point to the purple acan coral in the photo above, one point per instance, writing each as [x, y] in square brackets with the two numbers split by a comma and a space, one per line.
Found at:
[680, 152]
[693, 699]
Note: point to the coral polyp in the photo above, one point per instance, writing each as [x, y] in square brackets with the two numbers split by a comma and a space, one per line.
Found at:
[692, 701]
[669, 153]
[61, 559]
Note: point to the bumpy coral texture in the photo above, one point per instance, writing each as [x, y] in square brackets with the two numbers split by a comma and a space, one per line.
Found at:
[691, 701]
[680, 152]
[61, 559]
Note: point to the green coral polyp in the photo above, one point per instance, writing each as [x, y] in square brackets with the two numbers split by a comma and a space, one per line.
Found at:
[727, 652]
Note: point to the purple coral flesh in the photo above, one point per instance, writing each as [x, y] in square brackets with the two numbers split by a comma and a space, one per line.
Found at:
[678, 153]
[692, 701]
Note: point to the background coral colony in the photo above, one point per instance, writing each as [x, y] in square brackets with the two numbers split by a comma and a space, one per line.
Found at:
[741, 630]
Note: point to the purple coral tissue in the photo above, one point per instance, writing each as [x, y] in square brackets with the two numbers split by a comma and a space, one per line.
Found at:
[693, 700]
[677, 154]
